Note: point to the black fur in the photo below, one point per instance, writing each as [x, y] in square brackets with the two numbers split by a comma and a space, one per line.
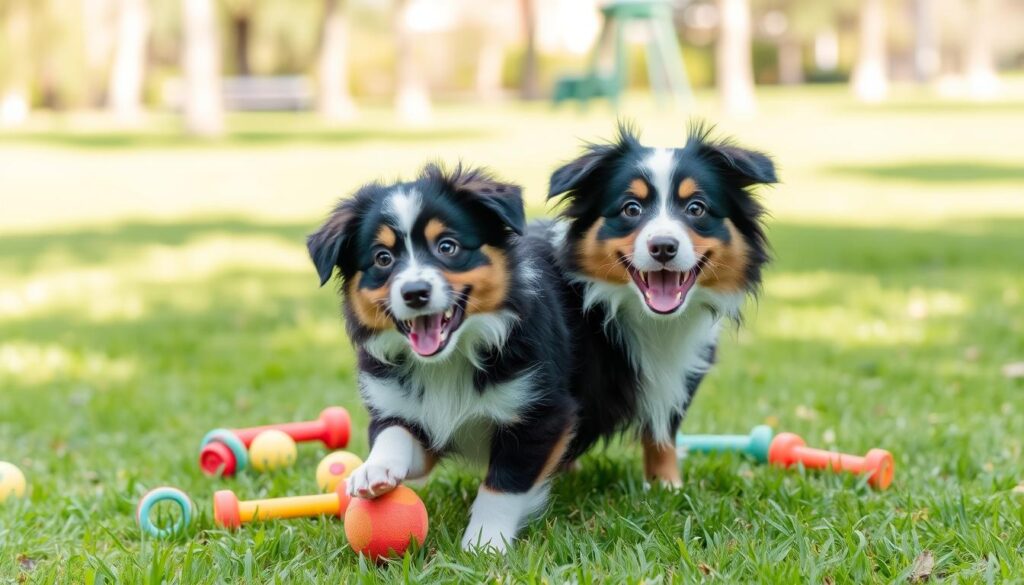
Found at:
[480, 211]
[606, 384]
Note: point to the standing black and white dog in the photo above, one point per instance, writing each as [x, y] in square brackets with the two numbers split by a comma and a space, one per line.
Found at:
[659, 246]
[461, 334]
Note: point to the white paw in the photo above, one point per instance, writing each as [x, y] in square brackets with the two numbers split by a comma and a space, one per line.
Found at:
[371, 480]
[483, 538]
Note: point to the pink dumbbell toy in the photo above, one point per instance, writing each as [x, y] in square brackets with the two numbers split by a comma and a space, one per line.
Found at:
[225, 451]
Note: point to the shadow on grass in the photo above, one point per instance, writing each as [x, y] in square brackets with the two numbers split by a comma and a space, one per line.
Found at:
[936, 172]
[242, 138]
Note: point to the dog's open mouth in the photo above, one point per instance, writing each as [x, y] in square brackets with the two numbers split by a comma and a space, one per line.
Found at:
[429, 334]
[664, 291]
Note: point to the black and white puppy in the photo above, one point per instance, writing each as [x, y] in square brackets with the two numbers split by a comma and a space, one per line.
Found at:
[659, 246]
[462, 341]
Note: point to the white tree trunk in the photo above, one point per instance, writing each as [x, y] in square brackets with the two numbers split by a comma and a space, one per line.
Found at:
[336, 102]
[927, 57]
[489, 66]
[791, 61]
[411, 98]
[870, 75]
[204, 105]
[128, 74]
[734, 67]
[982, 80]
[97, 35]
[14, 86]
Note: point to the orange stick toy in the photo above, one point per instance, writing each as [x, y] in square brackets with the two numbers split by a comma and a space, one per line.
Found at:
[789, 449]
[230, 512]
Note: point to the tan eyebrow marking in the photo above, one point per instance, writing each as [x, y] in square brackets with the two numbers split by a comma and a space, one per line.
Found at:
[687, 188]
[638, 188]
[387, 236]
[434, 229]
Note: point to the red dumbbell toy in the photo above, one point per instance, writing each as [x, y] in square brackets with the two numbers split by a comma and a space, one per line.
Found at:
[789, 449]
[225, 451]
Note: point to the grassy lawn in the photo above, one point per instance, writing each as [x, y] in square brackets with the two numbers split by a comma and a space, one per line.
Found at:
[152, 288]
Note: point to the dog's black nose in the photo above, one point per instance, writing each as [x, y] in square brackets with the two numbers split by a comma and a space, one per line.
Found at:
[663, 248]
[416, 294]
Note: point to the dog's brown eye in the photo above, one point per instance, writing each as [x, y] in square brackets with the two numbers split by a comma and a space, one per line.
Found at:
[696, 209]
[632, 209]
[383, 259]
[447, 247]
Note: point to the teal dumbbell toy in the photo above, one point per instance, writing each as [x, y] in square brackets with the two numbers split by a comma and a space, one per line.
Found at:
[755, 444]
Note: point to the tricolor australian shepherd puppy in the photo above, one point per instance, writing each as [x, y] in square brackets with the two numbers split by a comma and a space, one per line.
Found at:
[659, 246]
[462, 341]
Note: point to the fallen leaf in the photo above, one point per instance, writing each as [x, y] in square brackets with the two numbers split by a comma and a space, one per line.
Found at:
[706, 569]
[26, 562]
[923, 565]
[1014, 370]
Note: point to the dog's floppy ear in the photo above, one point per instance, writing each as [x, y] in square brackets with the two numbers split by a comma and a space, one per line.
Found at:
[568, 178]
[326, 243]
[502, 200]
[742, 167]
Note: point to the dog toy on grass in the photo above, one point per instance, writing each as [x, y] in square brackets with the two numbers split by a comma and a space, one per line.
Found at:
[335, 468]
[272, 450]
[12, 481]
[223, 451]
[230, 512]
[386, 526]
[789, 449]
[755, 444]
[164, 494]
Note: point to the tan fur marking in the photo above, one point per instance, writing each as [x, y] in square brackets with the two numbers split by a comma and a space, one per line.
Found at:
[688, 187]
[660, 463]
[489, 282]
[434, 229]
[368, 304]
[554, 460]
[638, 187]
[387, 236]
[726, 266]
[600, 258]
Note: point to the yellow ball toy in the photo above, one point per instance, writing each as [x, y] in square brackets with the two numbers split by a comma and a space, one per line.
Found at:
[272, 450]
[12, 481]
[335, 468]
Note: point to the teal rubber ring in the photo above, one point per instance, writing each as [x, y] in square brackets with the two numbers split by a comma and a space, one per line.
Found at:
[164, 494]
[232, 441]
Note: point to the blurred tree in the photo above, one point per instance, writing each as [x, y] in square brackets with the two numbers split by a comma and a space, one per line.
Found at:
[870, 74]
[127, 76]
[241, 16]
[98, 37]
[529, 84]
[204, 107]
[336, 102]
[734, 69]
[16, 73]
[982, 80]
[926, 45]
[411, 97]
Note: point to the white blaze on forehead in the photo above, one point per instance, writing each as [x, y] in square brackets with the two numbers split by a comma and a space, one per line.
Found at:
[658, 167]
[403, 207]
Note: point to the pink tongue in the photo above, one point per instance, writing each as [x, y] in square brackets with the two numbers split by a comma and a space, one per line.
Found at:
[425, 336]
[664, 290]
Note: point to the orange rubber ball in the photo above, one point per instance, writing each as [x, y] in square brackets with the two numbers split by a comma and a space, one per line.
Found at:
[385, 527]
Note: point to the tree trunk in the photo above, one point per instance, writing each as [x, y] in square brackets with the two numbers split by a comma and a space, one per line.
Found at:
[97, 35]
[734, 67]
[128, 74]
[241, 28]
[927, 57]
[489, 66]
[870, 76]
[336, 102]
[204, 106]
[529, 84]
[791, 60]
[411, 97]
[14, 103]
[982, 80]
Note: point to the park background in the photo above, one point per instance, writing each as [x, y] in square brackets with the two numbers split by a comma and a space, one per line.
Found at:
[154, 282]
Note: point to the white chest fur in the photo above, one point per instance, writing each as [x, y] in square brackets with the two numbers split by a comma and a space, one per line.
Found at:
[443, 401]
[664, 351]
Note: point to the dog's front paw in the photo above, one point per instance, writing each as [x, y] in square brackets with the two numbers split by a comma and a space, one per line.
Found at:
[371, 480]
[486, 538]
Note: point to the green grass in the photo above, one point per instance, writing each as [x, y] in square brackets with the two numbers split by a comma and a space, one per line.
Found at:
[152, 289]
